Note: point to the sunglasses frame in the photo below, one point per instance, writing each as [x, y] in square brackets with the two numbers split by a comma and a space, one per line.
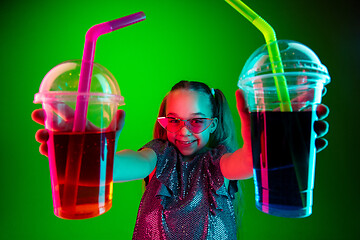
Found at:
[186, 123]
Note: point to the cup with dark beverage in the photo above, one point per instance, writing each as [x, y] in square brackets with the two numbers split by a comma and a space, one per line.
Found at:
[283, 139]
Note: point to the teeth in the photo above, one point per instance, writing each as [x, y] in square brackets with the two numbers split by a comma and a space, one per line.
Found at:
[188, 142]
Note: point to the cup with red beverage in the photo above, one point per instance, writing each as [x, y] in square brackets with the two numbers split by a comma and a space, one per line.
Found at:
[283, 141]
[81, 162]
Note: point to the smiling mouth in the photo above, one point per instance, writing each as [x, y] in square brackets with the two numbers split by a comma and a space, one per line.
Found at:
[186, 142]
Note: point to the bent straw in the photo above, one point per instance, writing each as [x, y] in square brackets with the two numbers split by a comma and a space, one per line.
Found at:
[87, 62]
[273, 49]
[73, 163]
[275, 57]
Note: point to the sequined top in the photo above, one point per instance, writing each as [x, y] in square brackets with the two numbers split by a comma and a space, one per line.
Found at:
[186, 200]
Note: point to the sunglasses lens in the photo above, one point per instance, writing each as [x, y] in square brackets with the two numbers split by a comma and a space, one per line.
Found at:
[198, 125]
[170, 124]
[163, 122]
[195, 125]
[174, 124]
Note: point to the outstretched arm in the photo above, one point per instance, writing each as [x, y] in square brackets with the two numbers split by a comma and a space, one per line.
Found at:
[238, 165]
[130, 165]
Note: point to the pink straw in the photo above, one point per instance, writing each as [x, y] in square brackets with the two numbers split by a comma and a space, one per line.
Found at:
[87, 62]
[74, 155]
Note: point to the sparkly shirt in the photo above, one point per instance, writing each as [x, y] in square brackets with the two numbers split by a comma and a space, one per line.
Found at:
[186, 200]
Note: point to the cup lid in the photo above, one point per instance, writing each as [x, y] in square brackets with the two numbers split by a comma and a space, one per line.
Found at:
[296, 58]
[61, 84]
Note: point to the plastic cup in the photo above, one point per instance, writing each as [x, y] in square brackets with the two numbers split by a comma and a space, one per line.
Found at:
[91, 151]
[283, 142]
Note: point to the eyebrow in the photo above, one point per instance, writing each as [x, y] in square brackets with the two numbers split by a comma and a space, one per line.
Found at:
[193, 114]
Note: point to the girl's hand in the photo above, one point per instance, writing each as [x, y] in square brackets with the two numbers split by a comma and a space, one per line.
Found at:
[321, 127]
[42, 135]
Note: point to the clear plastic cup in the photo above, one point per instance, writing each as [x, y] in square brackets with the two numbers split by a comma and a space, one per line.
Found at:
[81, 163]
[283, 142]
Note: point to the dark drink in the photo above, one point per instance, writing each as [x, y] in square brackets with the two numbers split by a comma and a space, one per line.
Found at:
[95, 182]
[283, 145]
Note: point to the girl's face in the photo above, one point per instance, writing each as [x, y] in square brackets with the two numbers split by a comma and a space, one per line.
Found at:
[187, 104]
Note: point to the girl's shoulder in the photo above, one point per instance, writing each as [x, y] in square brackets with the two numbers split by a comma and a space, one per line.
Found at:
[161, 147]
[156, 143]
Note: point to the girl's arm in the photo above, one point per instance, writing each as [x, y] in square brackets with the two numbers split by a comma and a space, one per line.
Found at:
[130, 165]
[238, 165]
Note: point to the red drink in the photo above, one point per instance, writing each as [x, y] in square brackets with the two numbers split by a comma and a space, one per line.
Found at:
[94, 186]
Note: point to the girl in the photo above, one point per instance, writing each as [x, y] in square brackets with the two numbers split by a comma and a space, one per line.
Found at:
[190, 165]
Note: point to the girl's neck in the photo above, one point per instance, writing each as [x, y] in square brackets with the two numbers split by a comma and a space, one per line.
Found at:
[191, 157]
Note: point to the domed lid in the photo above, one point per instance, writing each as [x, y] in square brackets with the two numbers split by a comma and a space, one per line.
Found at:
[296, 59]
[61, 84]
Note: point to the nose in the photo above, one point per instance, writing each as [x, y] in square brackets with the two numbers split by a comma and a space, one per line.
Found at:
[184, 131]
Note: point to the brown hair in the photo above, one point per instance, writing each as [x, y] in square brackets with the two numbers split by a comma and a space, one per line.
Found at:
[225, 131]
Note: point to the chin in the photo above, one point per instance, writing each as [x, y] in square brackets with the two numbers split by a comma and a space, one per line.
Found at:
[187, 153]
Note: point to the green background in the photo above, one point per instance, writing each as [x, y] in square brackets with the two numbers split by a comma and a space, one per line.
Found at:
[185, 39]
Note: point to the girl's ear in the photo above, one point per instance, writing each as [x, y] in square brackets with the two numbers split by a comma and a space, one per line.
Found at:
[213, 125]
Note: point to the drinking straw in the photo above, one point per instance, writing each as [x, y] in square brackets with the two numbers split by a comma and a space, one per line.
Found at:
[87, 62]
[273, 49]
[274, 57]
[73, 163]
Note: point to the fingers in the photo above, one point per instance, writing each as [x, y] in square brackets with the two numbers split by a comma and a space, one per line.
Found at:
[244, 117]
[43, 149]
[321, 128]
[304, 97]
[38, 116]
[240, 101]
[320, 144]
[42, 135]
[63, 110]
[242, 107]
[56, 123]
[118, 120]
[120, 116]
[322, 111]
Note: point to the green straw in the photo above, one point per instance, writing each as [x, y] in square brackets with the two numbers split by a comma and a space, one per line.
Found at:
[274, 56]
[273, 49]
